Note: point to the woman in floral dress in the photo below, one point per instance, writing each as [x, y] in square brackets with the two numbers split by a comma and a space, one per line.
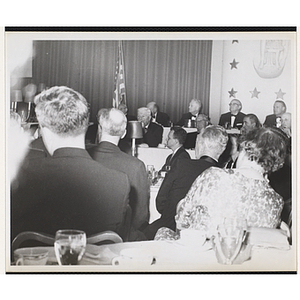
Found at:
[242, 193]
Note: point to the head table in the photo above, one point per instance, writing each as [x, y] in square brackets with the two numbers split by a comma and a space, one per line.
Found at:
[174, 256]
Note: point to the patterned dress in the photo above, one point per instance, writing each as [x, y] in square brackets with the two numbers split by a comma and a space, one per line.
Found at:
[219, 193]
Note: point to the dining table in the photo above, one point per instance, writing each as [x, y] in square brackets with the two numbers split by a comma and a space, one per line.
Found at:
[266, 253]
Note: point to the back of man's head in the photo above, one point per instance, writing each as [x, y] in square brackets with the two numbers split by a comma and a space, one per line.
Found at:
[211, 141]
[113, 122]
[63, 111]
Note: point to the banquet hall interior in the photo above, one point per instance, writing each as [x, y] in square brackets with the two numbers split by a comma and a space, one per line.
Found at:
[258, 70]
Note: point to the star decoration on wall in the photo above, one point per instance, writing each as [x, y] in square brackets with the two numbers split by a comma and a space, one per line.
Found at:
[234, 64]
[280, 94]
[254, 93]
[232, 93]
[234, 41]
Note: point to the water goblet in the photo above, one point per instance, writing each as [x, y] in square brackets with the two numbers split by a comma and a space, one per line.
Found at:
[229, 238]
[69, 246]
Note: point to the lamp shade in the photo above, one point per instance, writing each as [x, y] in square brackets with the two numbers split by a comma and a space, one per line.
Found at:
[29, 92]
[135, 130]
[16, 96]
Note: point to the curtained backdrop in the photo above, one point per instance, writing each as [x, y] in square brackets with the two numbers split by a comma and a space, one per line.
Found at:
[169, 72]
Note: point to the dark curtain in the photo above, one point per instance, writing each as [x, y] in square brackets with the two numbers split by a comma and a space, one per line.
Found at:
[170, 73]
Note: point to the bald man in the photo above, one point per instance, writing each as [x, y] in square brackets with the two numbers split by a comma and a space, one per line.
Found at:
[234, 118]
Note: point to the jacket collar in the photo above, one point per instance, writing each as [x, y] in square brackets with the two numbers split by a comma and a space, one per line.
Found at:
[69, 151]
[107, 146]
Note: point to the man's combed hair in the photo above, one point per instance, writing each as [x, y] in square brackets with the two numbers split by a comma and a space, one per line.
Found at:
[179, 134]
[62, 110]
[268, 148]
[215, 134]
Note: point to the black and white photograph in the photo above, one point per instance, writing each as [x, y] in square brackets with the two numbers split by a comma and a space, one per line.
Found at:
[139, 151]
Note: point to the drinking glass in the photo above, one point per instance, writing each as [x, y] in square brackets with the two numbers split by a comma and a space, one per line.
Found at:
[69, 246]
[229, 239]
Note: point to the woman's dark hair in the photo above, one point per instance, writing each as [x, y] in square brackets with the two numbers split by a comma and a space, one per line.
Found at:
[267, 146]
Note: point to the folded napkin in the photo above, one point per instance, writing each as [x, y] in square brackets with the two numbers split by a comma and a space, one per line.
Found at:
[268, 238]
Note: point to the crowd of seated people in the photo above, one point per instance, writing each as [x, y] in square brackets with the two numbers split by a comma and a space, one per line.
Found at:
[61, 183]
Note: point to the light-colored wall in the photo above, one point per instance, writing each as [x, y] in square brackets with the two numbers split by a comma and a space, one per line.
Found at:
[245, 79]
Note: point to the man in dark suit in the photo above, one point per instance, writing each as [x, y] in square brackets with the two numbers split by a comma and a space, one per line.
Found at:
[112, 124]
[202, 121]
[195, 106]
[157, 116]
[176, 138]
[279, 108]
[211, 142]
[234, 118]
[124, 109]
[69, 189]
[153, 132]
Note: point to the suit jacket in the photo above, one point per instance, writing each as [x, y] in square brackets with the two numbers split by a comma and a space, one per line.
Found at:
[69, 190]
[180, 153]
[184, 117]
[162, 119]
[174, 188]
[270, 121]
[190, 142]
[112, 157]
[153, 135]
[238, 122]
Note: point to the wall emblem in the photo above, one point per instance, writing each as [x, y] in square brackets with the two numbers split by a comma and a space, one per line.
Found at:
[270, 61]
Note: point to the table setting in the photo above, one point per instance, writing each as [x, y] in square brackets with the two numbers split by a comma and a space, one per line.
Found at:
[266, 250]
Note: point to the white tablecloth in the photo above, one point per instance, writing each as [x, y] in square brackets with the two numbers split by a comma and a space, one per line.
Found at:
[171, 256]
[156, 156]
[154, 214]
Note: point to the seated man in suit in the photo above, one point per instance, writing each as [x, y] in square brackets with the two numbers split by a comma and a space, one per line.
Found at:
[210, 143]
[195, 106]
[251, 123]
[69, 189]
[175, 141]
[124, 109]
[153, 132]
[112, 124]
[157, 116]
[234, 118]
[286, 124]
[202, 121]
[125, 142]
[279, 108]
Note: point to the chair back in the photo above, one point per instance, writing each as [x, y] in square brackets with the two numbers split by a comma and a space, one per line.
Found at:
[29, 236]
[126, 226]
[104, 236]
[33, 237]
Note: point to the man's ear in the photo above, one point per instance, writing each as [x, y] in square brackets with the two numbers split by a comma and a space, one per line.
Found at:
[47, 136]
[123, 135]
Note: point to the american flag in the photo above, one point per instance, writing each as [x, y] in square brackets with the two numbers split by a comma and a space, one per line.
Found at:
[119, 86]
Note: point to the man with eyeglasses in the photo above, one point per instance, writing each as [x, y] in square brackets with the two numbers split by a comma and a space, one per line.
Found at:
[234, 118]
